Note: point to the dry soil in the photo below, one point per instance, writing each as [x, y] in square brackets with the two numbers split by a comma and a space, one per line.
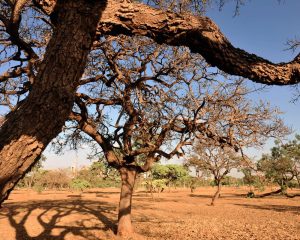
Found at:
[178, 214]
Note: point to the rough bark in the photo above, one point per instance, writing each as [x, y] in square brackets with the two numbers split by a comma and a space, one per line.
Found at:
[128, 176]
[216, 195]
[27, 131]
[200, 34]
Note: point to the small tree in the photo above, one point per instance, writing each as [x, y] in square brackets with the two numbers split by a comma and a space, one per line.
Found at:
[140, 102]
[282, 165]
[253, 180]
[79, 184]
[99, 174]
[32, 177]
[170, 173]
[55, 179]
[217, 160]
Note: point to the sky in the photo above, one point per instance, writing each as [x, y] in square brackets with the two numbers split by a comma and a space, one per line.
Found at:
[263, 28]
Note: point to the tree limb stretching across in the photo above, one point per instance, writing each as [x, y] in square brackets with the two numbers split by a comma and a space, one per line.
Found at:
[200, 34]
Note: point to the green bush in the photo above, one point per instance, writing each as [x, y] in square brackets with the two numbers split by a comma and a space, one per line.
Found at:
[250, 194]
[38, 188]
[79, 184]
[293, 184]
[101, 183]
[259, 186]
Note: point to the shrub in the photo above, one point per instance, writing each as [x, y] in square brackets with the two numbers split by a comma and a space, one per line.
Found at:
[38, 188]
[250, 194]
[79, 184]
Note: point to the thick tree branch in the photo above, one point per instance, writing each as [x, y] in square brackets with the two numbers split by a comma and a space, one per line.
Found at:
[87, 127]
[200, 34]
[17, 72]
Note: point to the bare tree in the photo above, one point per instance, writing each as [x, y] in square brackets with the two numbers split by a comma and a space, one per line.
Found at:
[140, 102]
[139, 109]
[243, 122]
[45, 74]
[218, 161]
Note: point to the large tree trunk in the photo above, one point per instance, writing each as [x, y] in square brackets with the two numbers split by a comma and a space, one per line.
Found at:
[27, 131]
[128, 176]
[217, 194]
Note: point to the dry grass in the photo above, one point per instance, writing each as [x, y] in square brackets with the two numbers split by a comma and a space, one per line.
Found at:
[176, 215]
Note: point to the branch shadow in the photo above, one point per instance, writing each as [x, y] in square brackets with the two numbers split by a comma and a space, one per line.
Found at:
[199, 196]
[276, 208]
[222, 195]
[97, 217]
[102, 192]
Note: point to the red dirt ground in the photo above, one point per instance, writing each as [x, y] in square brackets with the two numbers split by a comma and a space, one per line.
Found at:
[59, 215]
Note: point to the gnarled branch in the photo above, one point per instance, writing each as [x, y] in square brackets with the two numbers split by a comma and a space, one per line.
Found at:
[200, 34]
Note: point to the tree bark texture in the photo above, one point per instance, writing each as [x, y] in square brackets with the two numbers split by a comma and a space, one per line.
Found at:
[217, 194]
[128, 176]
[27, 131]
[200, 34]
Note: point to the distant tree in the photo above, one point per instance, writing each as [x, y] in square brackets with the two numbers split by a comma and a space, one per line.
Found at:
[248, 178]
[79, 184]
[245, 124]
[282, 165]
[162, 176]
[171, 173]
[32, 177]
[55, 179]
[101, 169]
[218, 161]
[99, 174]
[253, 179]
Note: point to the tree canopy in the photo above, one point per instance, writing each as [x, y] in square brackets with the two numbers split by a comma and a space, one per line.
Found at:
[283, 164]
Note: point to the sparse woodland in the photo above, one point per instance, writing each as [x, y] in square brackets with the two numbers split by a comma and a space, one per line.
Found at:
[137, 82]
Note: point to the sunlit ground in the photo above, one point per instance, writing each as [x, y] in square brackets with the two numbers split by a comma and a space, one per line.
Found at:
[171, 215]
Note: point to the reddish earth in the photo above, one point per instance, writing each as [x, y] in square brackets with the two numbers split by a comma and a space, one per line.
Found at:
[176, 215]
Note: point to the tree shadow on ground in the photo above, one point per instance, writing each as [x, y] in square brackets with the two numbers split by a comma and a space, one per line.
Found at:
[96, 217]
[276, 208]
[223, 196]
[199, 195]
[102, 192]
